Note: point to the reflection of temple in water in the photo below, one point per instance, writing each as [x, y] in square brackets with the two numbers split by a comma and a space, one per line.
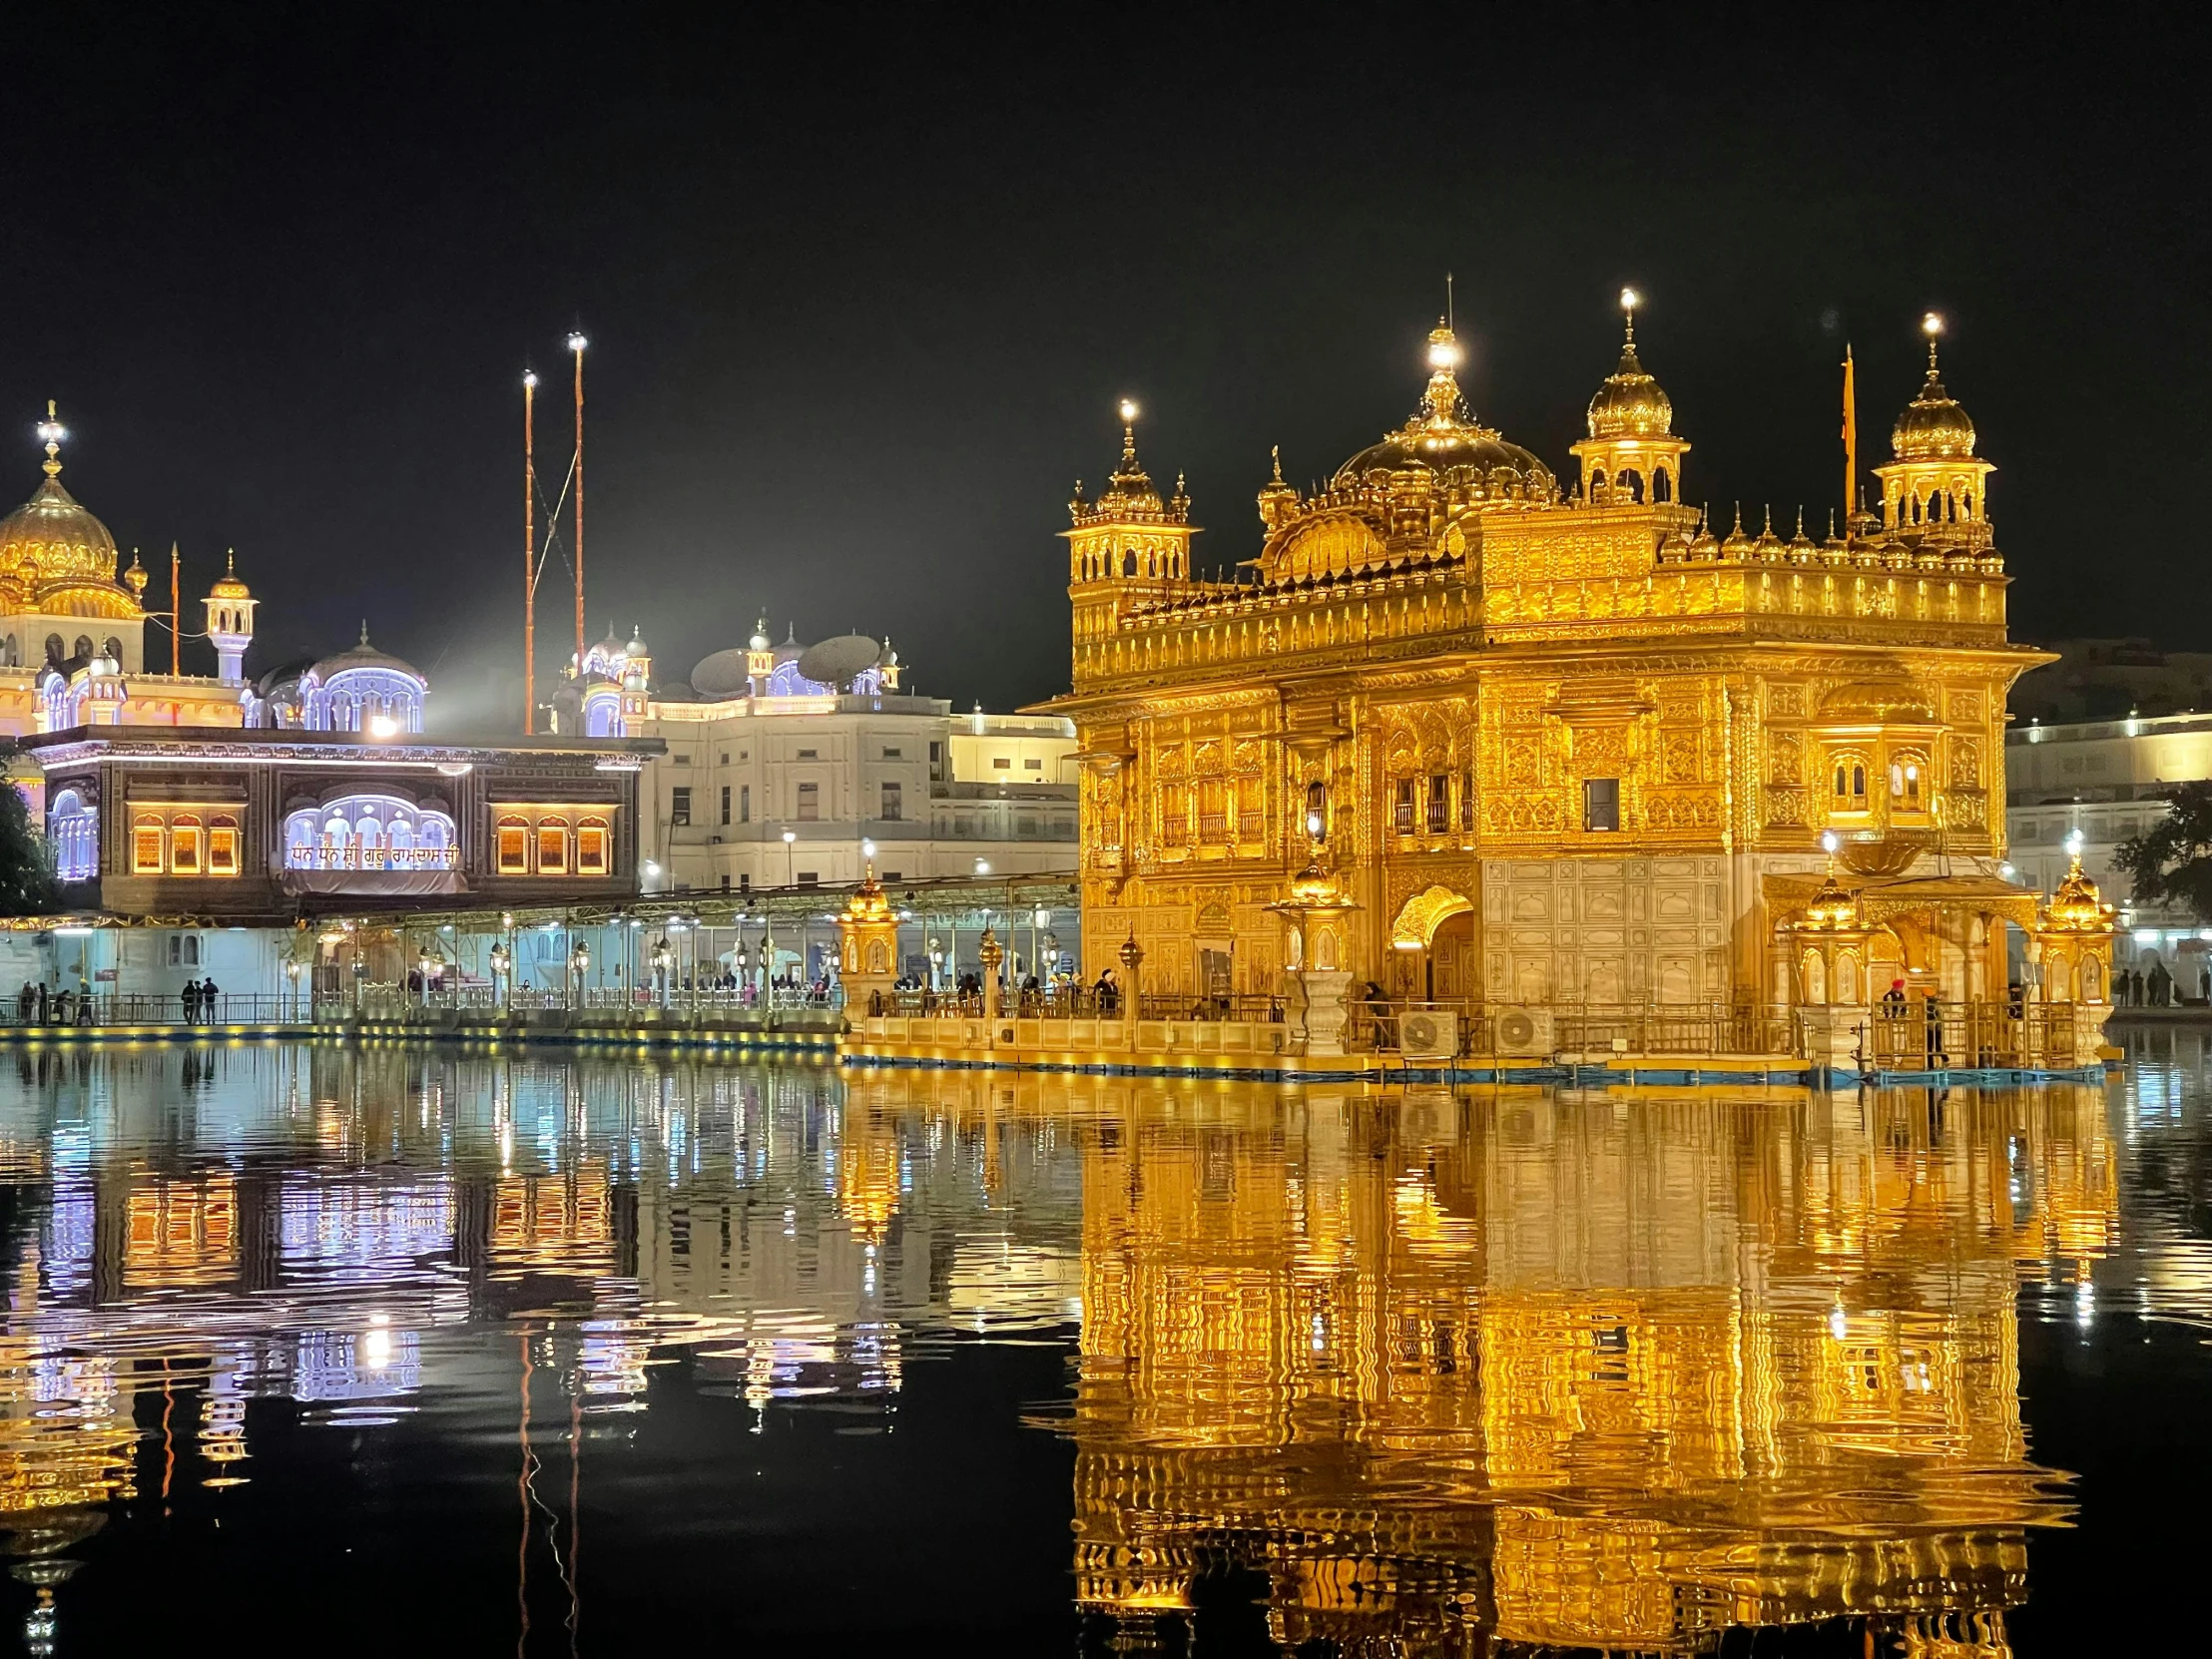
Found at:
[1582, 1372]
[1501, 1367]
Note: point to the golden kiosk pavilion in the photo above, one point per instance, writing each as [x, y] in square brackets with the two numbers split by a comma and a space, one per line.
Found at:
[1558, 747]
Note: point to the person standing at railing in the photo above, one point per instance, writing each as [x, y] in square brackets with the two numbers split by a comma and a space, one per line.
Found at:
[189, 997]
[25, 1001]
[208, 1004]
[84, 1004]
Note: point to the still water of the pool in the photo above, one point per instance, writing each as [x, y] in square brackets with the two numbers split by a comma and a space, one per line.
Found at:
[416, 1349]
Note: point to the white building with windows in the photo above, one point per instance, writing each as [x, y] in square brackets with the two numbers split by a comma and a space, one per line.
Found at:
[771, 780]
[2101, 779]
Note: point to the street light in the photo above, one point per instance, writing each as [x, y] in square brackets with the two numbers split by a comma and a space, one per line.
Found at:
[292, 977]
[790, 881]
[502, 965]
[982, 867]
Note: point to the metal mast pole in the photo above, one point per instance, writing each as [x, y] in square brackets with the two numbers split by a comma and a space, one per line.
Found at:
[529, 554]
[176, 619]
[576, 344]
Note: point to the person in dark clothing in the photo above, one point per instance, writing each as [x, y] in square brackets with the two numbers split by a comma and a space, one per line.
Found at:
[189, 997]
[1932, 1011]
[44, 1003]
[2161, 985]
[207, 994]
[25, 1001]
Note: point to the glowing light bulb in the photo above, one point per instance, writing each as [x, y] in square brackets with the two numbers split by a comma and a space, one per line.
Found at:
[1931, 324]
[1128, 410]
[576, 342]
[2073, 843]
[1444, 353]
[529, 377]
[1829, 841]
[1630, 300]
[382, 725]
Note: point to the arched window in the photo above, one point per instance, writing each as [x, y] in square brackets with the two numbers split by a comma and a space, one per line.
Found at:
[112, 649]
[402, 844]
[1906, 783]
[1662, 487]
[299, 842]
[1850, 794]
[223, 846]
[83, 648]
[552, 847]
[368, 835]
[146, 843]
[1597, 481]
[53, 648]
[15, 651]
[1633, 482]
[590, 846]
[74, 829]
[515, 846]
[184, 845]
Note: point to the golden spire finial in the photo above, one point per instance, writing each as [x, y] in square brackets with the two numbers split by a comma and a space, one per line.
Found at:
[1630, 300]
[1274, 455]
[1443, 397]
[1129, 432]
[51, 433]
[1932, 326]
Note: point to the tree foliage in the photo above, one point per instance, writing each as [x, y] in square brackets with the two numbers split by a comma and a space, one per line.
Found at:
[27, 884]
[2172, 864]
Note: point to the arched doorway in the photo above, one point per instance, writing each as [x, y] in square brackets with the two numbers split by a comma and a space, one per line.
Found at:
[1434, 924]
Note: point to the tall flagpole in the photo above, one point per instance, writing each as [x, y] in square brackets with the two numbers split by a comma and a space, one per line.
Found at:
[1851, 437]
[576, 344]
[176, 619]
[529, 554]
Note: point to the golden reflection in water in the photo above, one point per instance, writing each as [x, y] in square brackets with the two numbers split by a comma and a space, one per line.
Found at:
[1603, 1372]
[1599, 1370]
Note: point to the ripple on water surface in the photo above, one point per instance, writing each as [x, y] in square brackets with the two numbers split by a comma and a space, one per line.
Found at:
[593, 1355]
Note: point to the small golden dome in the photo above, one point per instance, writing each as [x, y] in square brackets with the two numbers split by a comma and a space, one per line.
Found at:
[229, 587]
[2078, 905]
[1737, 545]
[1932, 427]
[1630, 403]
[1834, 907]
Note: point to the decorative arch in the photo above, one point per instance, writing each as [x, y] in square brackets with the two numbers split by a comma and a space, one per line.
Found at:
[1421, 914]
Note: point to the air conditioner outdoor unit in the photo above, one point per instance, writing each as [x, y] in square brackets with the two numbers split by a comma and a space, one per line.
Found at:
[1523, 1033]
[1430, 1034]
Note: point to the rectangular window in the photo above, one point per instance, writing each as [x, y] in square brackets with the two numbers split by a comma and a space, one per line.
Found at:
[1466, 799]
[1026, 828]
[807, 755]
[745, 803]
[724, 758]
[1601, 802]
[893, 875]
[679, 805]
[514, 849]
[810, 803]
[176, 950]
[184, 847]
[725, 880]
[223, 847]
[1032, 765]
[809, 879]
[145, 847]
[890, 755]
[1001, 763]
[895, 803]
[591, 849]
[681, 759]
[1403, 815]
[726, 803]
[552, 850]
[1439, 804]
[745, 880]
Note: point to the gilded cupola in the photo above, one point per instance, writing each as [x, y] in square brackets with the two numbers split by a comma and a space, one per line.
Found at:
[51, 540]
[1631, 456]
[1934, 494]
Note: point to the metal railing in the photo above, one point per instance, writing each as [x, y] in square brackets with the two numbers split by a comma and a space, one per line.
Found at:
[147, 1008]
[1912, 1036]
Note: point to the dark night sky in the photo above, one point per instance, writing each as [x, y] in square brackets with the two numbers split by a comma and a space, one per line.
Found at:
[863, 286]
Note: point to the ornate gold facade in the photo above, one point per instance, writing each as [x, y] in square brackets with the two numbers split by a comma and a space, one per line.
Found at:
[1562, 745]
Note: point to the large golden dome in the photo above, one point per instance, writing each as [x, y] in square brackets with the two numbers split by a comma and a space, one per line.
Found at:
[52, 538]
[1630, 404]
[1444, 439]
[1932, 427]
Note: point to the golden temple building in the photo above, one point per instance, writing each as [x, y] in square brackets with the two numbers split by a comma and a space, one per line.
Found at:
[1559, 741]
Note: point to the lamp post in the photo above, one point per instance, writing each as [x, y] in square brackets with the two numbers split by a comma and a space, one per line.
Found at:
[790, 881]
[502, 972]
[580, 962]
[291, 981]
[663, 959]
